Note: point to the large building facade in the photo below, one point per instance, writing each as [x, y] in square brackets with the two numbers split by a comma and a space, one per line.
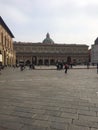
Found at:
[94, 52]
[48, 52]
[6, 45]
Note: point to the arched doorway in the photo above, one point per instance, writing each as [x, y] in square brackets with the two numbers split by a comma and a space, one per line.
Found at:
[28, 62]
[46, 62]
[52, 62]
[68, 59]
[74, 61]
[40, 62]
[34, 60]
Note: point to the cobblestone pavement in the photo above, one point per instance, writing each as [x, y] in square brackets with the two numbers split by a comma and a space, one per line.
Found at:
[49, 99]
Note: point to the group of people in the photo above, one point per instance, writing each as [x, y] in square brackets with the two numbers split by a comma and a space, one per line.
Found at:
[66, 66]
[61, 66]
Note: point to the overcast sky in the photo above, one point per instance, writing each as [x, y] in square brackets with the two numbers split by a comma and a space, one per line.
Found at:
[67, 21]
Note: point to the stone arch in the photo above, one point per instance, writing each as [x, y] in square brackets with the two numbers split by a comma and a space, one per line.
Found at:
[28, 62]
[40, 62]
[46, 62]
[52, 62]
[74, 61]
[69, 59]
[34, 60]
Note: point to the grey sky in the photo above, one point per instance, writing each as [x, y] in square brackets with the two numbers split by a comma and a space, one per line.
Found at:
[67, 21]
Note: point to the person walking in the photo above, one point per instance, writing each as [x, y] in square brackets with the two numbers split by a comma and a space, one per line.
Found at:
[66, 67]
[88, 65]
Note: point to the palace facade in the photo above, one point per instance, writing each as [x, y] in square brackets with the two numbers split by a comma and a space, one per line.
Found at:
[94, 52]
[49, 53]
[6, 45]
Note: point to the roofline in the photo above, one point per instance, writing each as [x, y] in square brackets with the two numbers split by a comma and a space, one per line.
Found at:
[42, 44]
[6, 27]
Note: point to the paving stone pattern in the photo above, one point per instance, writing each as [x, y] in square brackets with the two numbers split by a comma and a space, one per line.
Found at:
[48, 99]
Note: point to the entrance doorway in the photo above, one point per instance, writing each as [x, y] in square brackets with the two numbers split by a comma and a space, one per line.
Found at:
[40, 62]
[68, 59]
[46, 62]
[34, 60]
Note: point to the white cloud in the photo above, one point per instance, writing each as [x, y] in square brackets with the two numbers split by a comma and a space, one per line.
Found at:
[68, 20]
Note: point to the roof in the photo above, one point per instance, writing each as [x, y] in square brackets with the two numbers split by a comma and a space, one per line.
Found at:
[42, 44]
[48, 40]
[96, 41]
[6, 27]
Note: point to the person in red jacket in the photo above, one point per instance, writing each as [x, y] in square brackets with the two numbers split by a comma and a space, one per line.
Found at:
[66, 67]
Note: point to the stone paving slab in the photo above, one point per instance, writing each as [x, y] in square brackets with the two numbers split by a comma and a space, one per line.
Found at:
[48, 99]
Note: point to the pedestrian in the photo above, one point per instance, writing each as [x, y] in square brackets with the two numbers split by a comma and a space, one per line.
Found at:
[66, 67]
[88, 64]
[97, 68]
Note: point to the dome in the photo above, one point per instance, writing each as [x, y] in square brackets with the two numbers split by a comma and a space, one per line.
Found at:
[48, 40]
